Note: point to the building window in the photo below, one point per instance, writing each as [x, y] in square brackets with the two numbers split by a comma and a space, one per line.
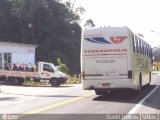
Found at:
[0, 60]
[7, 59]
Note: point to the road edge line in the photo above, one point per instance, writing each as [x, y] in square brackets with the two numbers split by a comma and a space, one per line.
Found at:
[134, 110]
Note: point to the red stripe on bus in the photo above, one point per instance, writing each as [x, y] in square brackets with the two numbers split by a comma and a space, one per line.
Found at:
[103, 54]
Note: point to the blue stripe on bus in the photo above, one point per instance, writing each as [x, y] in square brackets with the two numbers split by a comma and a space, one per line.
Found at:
[99, 40]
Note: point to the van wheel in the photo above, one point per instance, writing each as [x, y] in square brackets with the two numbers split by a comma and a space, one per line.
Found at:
[16, 81]
[54, 82]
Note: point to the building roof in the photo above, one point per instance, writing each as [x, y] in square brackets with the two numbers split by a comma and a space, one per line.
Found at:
[18, 44]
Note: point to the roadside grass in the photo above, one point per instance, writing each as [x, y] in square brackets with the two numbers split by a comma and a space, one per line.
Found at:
[73, 79]
[156, 72]
[29, 82]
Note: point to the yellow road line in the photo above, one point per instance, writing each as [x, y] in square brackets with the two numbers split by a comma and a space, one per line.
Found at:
[59, 104]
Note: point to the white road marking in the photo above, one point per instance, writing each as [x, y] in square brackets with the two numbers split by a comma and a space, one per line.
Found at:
[140, 104]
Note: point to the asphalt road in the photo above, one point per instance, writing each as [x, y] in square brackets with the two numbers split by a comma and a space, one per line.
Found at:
[69, 102]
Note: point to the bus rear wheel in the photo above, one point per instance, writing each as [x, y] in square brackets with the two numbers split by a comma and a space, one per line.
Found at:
[101, 92]
[150, 75]
[98, 92]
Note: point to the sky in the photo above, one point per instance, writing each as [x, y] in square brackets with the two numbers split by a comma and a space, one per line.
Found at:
[141, 16]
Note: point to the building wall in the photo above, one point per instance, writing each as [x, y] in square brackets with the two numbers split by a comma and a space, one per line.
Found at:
[20, 58]
[20, 53]
[17, 49]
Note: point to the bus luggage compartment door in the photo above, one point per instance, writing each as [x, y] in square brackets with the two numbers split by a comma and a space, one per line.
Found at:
[104, 68]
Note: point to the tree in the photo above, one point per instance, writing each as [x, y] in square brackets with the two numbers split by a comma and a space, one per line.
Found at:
[80, 10]
[51, 24]
[62, 67]
[89, 23]
[7, 31]
[156, 54]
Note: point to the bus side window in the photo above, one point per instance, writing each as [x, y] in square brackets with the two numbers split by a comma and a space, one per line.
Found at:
[137, 46]
[134, 43]
[141, 46]
[150, 52]
[147, 51]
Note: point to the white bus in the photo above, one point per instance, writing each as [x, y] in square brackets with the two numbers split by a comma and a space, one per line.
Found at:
[114, 58]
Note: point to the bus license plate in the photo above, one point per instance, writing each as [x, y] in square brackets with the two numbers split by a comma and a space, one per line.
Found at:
[106, 84]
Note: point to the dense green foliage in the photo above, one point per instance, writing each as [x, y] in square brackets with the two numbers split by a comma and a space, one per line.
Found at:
[73, 80]
[89, 23]
[62, 67]
[50, 24]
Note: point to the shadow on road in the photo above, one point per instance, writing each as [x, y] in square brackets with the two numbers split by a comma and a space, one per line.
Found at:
[131, 97]
[60, 96]
[38, 85]
[125, 95]
[8, 98]
[61, 86]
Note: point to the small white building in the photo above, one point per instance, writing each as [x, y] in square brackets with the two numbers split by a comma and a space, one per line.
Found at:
[17, 53]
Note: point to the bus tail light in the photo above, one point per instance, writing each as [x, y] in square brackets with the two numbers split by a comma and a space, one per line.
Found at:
[129, 74]
[83, 75]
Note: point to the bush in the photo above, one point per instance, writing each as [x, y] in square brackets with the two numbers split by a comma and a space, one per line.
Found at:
[29, 82]
[62, 67]
[73, 80]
